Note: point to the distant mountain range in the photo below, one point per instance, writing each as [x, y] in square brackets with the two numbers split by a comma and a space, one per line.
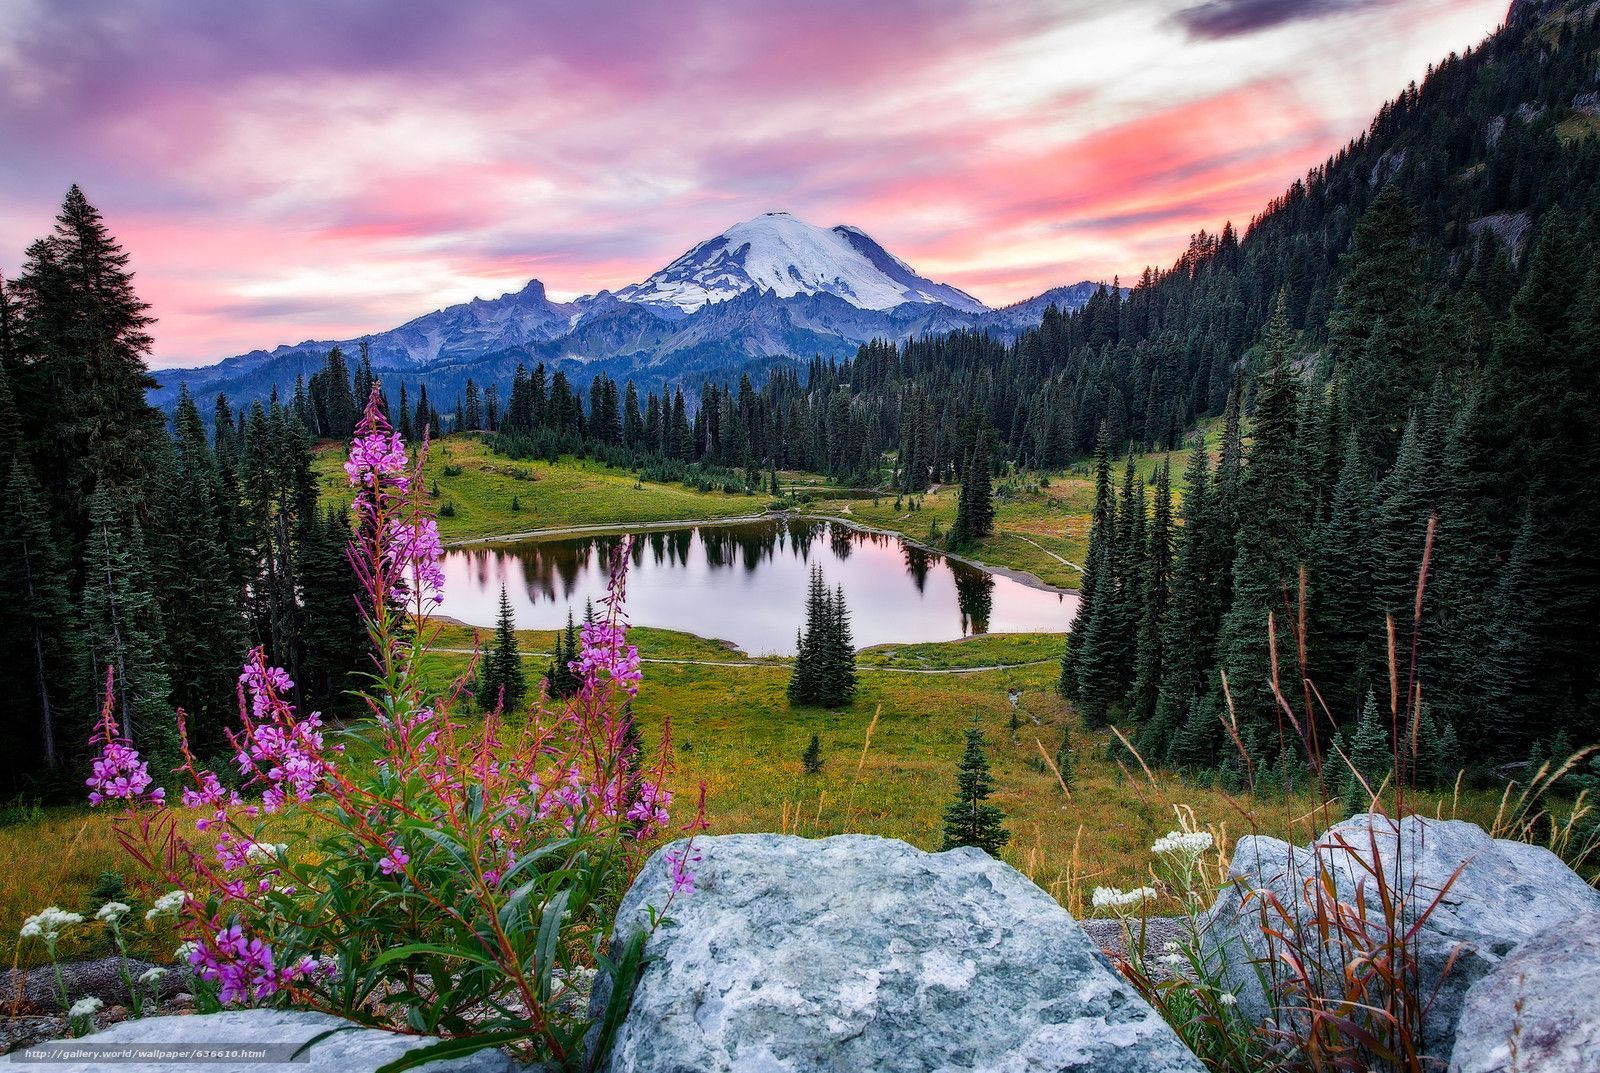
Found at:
[766, 291]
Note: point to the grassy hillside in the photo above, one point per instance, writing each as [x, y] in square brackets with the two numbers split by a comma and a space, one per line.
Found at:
[572, 492]
[889, 767]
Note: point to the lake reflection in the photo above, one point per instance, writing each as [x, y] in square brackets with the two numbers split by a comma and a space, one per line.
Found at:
[746, 583]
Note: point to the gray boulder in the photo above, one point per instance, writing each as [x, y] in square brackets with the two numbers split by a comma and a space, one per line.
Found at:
[279, 1032]
[1544, 999]
[859, 953]
[1506, 892]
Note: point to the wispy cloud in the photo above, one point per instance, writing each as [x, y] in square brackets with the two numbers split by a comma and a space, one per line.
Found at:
[1232, 18]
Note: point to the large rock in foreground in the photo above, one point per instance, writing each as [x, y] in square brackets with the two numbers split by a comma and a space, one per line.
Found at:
[858, 953]
[1506, 892]
[1539, 1009]
[279, 1032]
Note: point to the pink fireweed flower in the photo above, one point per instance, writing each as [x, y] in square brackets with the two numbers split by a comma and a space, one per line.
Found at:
[679, 862]
[414, 551]
[265, 685]
[118, 774]
[650, 808]
[395, 860]
[245, 968]
[280, 750]
[605, 654]
[377, 453]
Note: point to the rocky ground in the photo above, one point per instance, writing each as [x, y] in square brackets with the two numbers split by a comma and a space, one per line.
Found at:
[30, 1003]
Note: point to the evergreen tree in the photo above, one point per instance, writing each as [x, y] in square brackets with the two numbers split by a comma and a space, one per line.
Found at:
[839, 662]
[82, 376]
[43, 723]
[1096, 570]
[971, 820]
[1155, 596]
[121, 629]
[563, 680]
[812, 758]
[975, 503]
[205, 639]
[1270, 540]
[332, 632]
[1370, 755]
[1346, 628]
[500, 681]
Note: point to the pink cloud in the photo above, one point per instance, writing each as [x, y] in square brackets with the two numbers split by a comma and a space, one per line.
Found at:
[280, 173]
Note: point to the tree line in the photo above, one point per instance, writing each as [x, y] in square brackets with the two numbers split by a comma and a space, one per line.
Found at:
[140, 545]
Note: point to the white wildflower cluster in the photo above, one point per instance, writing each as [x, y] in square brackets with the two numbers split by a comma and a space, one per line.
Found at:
[167, 905]
[85, 1007]
[184, 950]
[1112, 898]
[152, 975]
[112, 912]
[265, 851]
[1183, 843]
[49, 923]
[1228, 998]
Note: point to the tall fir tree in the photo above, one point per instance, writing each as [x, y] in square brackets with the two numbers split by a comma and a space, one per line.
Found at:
[971, 820]
[501, 684]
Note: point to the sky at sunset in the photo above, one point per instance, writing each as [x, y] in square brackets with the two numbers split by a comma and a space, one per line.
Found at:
[283, 170]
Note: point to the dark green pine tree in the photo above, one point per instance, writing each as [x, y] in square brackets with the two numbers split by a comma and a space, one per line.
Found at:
[811, 759]
[120, 627]
[44, 722]
[839, 666]
[1096, 571]
[333, 634]
[807, 680]
[1375, 334]
[971, 820]
[1270, 540]
[1194, 609]
[205, 638]
[1510, 694]
[83, 378]
[501, 685]
[563, 680]
[1465, 576]
[1155, 599]
[1132, 522]
[1369, 754]
[975, 504]
[1346, 629]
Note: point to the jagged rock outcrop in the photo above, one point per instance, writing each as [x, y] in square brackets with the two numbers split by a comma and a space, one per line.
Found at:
[352, 1049]
[1539, 1009]
[1506, 892]
[859, 953]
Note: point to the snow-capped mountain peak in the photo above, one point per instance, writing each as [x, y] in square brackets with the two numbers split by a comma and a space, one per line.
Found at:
[784, 255]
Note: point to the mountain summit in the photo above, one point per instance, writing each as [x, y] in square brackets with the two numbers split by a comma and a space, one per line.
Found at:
[765, 292]
[784, 255]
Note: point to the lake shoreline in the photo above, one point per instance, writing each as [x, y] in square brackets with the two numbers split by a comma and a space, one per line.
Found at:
[1021, 577]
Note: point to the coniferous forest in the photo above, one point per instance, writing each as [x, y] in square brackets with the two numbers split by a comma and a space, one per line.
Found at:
[159, 549]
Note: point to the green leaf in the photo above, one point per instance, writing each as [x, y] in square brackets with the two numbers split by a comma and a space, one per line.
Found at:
[549, 936]
[412, 949]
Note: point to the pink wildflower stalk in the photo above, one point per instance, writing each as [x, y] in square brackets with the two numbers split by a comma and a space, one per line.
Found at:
[118, 773]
